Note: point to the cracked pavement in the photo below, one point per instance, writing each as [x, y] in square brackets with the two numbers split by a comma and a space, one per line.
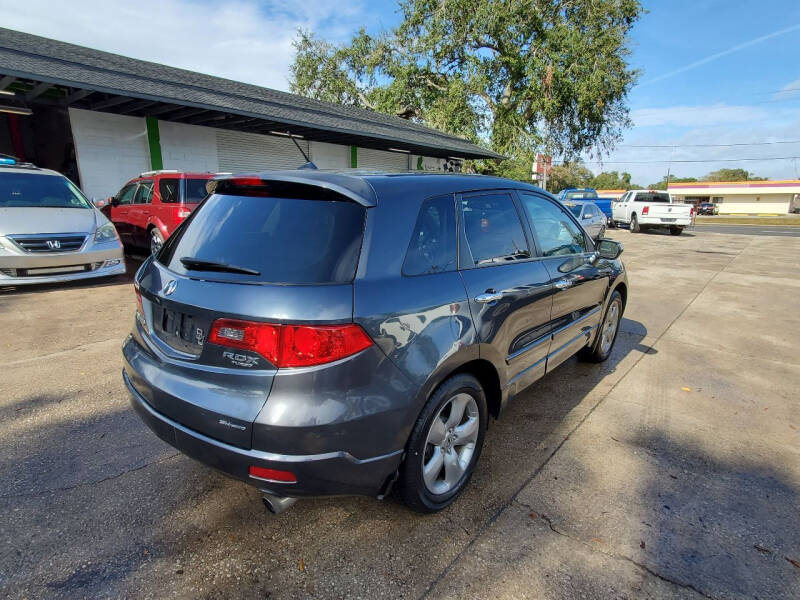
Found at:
[671, 471]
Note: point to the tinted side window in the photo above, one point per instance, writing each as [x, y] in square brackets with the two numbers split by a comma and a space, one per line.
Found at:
[125, 195]
[556, 233]
[168, 189]
[433, 244]
[144, 194]
[493, 229]
[195, 190]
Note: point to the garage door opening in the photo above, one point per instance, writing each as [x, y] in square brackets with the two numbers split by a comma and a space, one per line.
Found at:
[43, 138]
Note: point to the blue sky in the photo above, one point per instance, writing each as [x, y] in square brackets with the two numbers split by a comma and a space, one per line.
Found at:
[712, 70]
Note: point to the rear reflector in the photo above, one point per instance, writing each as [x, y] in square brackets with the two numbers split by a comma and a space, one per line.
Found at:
[273, 474]
[291, 345]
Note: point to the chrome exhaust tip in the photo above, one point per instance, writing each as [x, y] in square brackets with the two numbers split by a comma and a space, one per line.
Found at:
[277, 504]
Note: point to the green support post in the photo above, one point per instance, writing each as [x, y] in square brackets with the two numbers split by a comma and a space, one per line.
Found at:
[154, 141]
[353, 157]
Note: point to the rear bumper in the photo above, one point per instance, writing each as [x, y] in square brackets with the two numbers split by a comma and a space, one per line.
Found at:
[331, 473]
[665, 221]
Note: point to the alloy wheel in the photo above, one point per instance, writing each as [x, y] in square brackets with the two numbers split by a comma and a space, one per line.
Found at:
[450, 443]
[609, 329]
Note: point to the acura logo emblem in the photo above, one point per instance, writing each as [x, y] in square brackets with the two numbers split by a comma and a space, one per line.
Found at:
[170, 287]
[53, 244]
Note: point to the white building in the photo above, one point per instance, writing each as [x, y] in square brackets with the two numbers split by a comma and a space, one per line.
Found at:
[742, 197]
[102, 119]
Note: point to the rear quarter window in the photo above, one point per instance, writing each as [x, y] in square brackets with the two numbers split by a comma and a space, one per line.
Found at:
[432, 248]
[286, 240]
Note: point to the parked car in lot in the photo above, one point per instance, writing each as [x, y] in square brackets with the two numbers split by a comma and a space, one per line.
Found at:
[590, 216]
[707, 208]
[645, 209]
[326, 333]
[149, 207]
[587, 195]
[49, 231]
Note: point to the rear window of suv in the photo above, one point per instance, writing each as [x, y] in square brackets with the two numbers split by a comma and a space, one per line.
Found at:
[285, 240]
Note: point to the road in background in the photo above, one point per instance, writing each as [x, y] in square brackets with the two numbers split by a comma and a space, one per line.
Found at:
[776, 230]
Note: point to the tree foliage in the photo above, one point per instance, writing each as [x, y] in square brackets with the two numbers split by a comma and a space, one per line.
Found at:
[612, 180]
[732, 175]
[662, 185]
[518, 75]
[569, 175]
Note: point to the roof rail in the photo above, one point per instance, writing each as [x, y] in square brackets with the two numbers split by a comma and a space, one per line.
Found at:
[150, 173]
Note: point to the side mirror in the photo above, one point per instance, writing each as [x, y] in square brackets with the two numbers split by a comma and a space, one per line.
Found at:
[113, 201]
[609, 249]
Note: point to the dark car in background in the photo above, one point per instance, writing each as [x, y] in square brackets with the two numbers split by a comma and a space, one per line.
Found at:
[322, 333]
[707, 208]
[149, 207]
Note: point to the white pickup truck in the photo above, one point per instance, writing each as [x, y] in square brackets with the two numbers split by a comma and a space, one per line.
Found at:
[642, 209]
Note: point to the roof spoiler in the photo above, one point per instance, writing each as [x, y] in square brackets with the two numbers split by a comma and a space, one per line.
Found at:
[354, 188]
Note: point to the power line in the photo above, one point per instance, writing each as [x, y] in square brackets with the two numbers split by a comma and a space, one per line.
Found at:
[707, 145]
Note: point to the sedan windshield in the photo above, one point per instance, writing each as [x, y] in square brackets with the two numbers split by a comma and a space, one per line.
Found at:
[26, 190]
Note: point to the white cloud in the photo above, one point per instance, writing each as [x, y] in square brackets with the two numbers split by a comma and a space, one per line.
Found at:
[695, 116]
[790, 90]
[244, 40]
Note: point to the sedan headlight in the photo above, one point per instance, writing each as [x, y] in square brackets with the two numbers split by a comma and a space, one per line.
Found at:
[105, 233]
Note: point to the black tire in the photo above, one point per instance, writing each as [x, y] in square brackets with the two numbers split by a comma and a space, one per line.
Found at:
[676, 230]
[410, 484]
[612, 224]
[635, 224]
[596, 352]
[156, 240]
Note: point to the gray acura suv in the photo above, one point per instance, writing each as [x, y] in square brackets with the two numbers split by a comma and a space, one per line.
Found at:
[320, 333]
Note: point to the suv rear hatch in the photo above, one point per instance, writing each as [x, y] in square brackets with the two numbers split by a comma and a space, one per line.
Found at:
[259, 265]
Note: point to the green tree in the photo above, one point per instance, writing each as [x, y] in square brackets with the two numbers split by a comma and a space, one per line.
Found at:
[569, 175]
[732, 175]
[662, 185]
[612, 180]
[517, 75]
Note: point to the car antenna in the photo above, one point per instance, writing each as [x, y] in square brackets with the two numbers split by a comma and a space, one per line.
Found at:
[308, 164]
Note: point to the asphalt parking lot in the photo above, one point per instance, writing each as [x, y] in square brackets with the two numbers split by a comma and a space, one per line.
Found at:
[671, 471]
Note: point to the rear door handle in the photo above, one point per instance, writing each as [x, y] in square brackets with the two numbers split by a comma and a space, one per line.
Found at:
[489, 296]
[563, 284]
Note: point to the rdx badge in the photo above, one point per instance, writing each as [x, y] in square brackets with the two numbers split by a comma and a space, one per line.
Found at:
[241, 360]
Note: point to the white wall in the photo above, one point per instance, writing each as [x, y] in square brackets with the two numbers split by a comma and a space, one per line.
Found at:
[330, 156]
[755, 204]
[110, 149]
[188, 147]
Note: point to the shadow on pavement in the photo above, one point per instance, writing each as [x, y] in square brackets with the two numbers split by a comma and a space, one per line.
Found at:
[130, 517]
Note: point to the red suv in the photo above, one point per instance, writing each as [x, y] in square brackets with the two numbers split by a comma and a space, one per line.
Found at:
[148, 208]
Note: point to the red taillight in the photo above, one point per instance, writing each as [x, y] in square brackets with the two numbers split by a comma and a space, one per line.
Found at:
[247, 335]
[645, 210]
[302, 346]
[139, 306]
[291, 345]
[273, 474]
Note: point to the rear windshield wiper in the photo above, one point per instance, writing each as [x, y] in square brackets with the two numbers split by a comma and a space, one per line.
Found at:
[196, 264]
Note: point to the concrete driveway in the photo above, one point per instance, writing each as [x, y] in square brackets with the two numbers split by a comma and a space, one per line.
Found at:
[671, 471]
